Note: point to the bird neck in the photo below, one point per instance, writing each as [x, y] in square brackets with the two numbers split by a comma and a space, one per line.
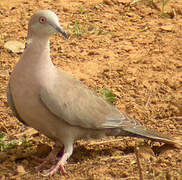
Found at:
[38, 49]
[38, 43]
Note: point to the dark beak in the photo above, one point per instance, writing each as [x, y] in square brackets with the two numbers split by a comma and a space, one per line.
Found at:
[60, 30]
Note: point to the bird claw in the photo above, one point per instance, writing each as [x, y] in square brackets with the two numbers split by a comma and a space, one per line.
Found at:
[62, 170]
[53, 170]
[61, 161]
[49, 159]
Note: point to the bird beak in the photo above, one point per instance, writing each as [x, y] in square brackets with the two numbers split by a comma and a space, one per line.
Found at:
[59, 29]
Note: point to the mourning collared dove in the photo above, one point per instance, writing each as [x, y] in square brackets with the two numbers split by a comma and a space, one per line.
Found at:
[58, 105]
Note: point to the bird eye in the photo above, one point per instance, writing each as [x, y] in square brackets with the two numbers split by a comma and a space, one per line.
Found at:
[42, 20]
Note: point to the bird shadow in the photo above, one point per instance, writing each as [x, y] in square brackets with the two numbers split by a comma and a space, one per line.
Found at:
[83, 152]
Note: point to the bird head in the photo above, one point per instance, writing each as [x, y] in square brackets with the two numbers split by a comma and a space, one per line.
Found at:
[44, 23]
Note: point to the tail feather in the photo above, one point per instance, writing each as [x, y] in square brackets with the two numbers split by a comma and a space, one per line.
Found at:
[142, 132]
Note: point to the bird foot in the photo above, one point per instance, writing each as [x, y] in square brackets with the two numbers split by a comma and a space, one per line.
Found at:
[52, 157]
[53, 170]
[68, 149]
[44, 162]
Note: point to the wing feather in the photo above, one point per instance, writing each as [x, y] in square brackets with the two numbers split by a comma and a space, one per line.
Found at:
[72, 101]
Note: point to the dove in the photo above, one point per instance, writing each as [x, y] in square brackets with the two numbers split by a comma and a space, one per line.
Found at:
[57, 104]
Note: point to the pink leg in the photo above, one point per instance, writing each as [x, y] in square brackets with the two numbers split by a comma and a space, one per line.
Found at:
[50, 158]
[68, 150]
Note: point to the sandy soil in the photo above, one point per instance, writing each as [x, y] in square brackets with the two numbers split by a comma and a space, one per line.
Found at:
[128, 48]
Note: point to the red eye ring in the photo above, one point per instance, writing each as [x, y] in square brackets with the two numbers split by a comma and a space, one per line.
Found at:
[42, 20]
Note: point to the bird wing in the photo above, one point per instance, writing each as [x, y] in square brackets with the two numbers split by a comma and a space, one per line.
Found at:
[73, 102]
[12, 105]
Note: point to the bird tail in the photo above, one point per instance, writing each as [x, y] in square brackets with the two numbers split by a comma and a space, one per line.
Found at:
[142, 132]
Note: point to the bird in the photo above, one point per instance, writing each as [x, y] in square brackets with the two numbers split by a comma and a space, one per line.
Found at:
[58, 105]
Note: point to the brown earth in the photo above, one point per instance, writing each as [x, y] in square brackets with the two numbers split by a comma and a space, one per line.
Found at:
[126, 47]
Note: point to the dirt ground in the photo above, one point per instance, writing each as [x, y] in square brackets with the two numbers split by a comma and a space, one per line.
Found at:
[126, 47]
